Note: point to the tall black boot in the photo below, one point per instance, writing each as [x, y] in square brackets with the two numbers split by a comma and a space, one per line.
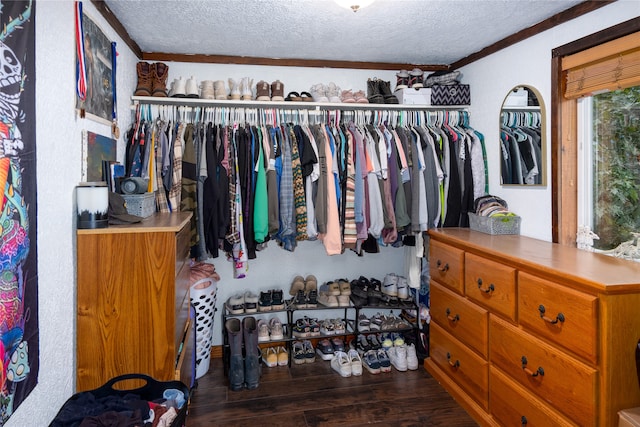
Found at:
[252, 353]
[385, 90]
[373, 92]
[236, 362]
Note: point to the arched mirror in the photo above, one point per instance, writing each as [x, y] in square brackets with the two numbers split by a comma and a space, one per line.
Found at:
[522, 138]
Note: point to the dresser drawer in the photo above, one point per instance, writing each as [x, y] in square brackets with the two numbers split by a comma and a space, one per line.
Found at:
[466, 368]
[512, 405]
[558, 379]
[446, 265]
[461, 318]
[567, 317]
[491, 284]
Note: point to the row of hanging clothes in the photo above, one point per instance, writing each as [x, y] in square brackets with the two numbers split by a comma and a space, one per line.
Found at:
[521, 147]
[354, 180]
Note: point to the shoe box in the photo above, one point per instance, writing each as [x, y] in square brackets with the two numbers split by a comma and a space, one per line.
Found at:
[456, 94]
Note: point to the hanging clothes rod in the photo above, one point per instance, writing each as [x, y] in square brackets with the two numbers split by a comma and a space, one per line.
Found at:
[196, 102]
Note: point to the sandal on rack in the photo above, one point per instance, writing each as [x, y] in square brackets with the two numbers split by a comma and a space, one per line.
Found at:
[293, 96]
[306, 97]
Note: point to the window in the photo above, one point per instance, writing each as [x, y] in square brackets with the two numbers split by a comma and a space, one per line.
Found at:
[594, 77]
[609, 166]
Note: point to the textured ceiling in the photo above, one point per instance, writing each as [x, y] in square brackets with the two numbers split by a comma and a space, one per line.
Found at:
[394, 31]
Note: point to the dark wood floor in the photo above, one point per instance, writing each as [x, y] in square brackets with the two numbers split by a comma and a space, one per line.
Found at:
[314, 395]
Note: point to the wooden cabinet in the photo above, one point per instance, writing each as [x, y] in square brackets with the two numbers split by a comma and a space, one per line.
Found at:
[133, 301]
[549, 331]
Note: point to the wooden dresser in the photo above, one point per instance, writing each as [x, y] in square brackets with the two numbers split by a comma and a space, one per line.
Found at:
[530, 333]
[133, 301]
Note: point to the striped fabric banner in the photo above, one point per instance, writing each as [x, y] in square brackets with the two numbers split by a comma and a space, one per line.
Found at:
[81, 74]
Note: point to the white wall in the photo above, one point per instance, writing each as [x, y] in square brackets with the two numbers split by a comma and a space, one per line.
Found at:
[59, 171]
[529, 63]
[58, 136]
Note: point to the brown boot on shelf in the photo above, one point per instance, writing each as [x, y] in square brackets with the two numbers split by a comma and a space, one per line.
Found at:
[262, 91]
[277, 91]
[160, 72]
[143, 88]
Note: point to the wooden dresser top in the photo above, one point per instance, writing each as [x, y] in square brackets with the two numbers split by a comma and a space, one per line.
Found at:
[160, 222]
[588, 270]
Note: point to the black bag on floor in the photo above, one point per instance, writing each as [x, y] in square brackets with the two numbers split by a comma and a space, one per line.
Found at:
[121, 404]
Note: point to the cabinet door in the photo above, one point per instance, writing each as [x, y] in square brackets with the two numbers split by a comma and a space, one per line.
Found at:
[446, 265]
[461, 318]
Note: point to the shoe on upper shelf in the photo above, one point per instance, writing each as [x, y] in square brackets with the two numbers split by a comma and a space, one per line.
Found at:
[264, 304]
[250, 302]
[235, 304]
[277, 299]
[319, 93]
[402, 79]
[277, 91]
[333, 92]
[326, 298]
[262, 91]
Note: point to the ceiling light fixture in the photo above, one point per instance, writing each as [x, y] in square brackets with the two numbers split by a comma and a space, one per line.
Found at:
[354, 5]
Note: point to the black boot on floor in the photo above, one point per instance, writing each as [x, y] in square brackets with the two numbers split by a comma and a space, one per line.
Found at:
[236, 362]
[252, 353]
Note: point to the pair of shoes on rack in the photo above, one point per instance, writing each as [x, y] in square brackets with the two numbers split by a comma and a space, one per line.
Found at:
[347, 363]
[275, 356]
[306, 327]
[325, 93]
[244, 353]
[152, 79]
[299, 97]
[271, 300]
[379, 92]
[241, 90]
[210, 89]
[181, 88]
[412, 79]
[303, 352]
[335, 293]
[304, 292]
[348, 96]
[272, 331]
[246, 302]
[266, 92]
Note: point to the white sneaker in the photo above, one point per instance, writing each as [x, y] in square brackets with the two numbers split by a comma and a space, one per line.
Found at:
[250, 302]
[398, 357]
[390, 285]
[319, 93]
[275, 326]
[191, 88]
[325, 298]
[356, 362]
[341, 363]
[235, 304]
[263, 331]
[333, 92]
[403, 288]
[412, 358]
[179, 87]
[235, 89]
[245, 88]
[206, 90]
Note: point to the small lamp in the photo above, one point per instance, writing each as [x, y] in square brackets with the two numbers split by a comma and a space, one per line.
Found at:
[92, 199]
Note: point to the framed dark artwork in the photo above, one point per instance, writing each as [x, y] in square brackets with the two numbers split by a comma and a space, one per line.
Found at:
[96, 149]
[98, 104]
[19, 330]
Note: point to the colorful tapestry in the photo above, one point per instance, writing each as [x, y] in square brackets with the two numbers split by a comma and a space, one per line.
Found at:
[19, 345]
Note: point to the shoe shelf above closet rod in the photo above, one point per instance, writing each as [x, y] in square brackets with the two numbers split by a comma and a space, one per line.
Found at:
[294, 105]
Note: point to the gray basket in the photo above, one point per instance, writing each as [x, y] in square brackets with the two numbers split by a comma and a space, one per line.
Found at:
[143, 205]
[495, 224]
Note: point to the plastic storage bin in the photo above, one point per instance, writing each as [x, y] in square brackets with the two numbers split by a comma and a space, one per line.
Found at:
[143, 205]
[495, 224]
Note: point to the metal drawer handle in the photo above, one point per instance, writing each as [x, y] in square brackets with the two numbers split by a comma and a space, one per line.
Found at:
[453, 319]
[441, 267]
[490, 289]
[559, 317]
[455, 364]
[539, 371]
[523, 421]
